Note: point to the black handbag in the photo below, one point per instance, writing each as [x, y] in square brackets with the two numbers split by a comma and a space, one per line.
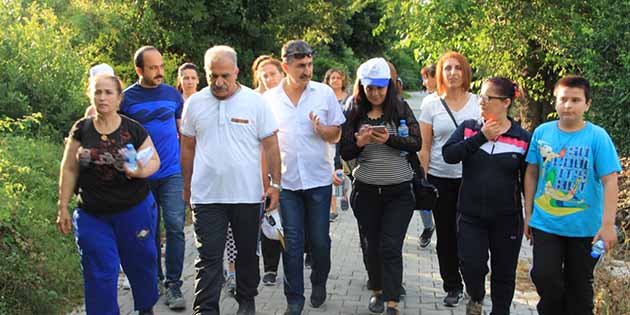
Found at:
[426, 193]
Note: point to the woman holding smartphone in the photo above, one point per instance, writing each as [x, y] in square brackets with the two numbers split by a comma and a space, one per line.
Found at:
[382, 195]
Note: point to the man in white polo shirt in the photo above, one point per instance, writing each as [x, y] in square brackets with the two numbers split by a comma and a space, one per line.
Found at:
[223, 128]
[309, 116]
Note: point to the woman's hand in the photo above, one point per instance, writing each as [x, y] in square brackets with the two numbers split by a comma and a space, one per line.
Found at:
[364, 136]
[337, 180]
[138, 173]
[380, 136]
[491, 130]
[63, 221]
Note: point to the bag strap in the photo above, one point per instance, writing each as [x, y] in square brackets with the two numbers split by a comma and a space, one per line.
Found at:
[448, 110]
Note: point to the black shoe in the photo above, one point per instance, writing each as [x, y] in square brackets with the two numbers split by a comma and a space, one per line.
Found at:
[392, 311]
[377, 305]
[318, 295]
[425, 237]
[246, 308]
[269, 278]
[308, 261]
[453, 297]
[148, 311]
[294, 309]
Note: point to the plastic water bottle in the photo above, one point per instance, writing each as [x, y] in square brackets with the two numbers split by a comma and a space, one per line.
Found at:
[403, 131]
[339, 190]
[131, 157]
[597, 251]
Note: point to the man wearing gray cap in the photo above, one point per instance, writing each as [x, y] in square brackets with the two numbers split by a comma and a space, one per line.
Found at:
[309, 118]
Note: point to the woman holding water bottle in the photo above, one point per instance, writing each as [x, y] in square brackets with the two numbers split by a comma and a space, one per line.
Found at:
[382, 196]
[114, 222]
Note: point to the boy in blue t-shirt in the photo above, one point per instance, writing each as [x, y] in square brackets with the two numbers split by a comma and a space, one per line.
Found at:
[570, 200]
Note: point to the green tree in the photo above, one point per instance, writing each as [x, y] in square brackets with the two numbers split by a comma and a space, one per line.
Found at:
[534, 42]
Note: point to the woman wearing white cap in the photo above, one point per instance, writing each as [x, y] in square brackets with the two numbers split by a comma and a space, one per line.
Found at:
[383, 192]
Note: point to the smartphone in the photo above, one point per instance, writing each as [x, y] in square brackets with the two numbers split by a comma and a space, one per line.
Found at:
[379, 129]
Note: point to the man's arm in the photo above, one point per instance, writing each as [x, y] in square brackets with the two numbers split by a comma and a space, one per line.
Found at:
[272, 153]
[607, 231]
[187, 158]
[330, 134]
[531, 180]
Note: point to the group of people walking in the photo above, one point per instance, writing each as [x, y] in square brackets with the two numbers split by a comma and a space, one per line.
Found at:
[232, 153]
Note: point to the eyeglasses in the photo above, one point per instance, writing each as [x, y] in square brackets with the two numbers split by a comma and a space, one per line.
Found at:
[488, 98]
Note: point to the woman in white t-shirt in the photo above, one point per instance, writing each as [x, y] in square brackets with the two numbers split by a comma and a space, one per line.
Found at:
[453, 77]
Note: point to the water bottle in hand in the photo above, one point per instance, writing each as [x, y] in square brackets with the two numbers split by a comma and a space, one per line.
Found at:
[597, 251]
[131, 157]
[403, 131]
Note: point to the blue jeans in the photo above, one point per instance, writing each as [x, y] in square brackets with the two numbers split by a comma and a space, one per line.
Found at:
[168, 195]
[305, 210]
[107, 241]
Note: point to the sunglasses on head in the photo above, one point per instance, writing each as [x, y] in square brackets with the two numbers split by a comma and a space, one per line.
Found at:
[299, 55]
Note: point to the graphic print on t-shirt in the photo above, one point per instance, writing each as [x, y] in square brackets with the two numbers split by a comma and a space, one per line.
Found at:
[564, 173]
[106, 152]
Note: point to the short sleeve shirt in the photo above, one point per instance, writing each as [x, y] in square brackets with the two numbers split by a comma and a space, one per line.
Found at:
[305, 155]
[158, 110]
[102, 184]
[434, 114]
[569, 198]
[228, 135]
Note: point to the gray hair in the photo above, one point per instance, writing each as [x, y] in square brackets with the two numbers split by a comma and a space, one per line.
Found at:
[217, 53]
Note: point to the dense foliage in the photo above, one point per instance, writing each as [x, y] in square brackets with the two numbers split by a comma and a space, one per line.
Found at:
[533, 42]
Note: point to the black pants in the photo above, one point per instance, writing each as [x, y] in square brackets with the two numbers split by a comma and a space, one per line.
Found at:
[363, 243]
[385, 212]
[501, 236]
[563, 274]
[271, 251]
[211, 221]
[445, 215]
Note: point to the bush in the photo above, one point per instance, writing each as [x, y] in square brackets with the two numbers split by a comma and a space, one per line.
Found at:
[39, 267]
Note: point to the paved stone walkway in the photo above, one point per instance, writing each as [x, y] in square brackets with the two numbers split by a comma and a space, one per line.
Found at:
[347, 293]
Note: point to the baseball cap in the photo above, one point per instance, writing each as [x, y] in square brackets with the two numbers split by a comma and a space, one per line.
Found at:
[296, 48]
[374, 72]
[101, 68]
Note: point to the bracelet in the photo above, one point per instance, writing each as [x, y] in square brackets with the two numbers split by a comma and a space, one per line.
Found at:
[275, 186]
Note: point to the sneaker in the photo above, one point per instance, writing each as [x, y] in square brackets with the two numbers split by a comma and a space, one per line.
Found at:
[148, 311]
[345, 205]
[473, 308]
[174, 298]
[333, 216]
[308, 261]
[453, 297]
[269, 278]
[230, 285]
[376, 305]
[425, 237]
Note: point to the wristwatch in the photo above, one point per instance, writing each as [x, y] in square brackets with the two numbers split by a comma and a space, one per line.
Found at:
[276, 186]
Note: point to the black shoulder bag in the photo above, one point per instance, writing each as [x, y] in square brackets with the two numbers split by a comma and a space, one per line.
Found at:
[448, 110]
[426, 193]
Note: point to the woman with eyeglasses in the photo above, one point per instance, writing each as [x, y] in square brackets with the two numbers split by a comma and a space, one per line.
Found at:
[382, 196]
[440, 115]
[492, 151]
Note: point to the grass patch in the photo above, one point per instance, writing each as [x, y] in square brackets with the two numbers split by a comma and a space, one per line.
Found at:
[39, 267]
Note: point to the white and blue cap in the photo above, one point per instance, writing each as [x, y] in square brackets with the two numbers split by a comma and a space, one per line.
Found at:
[374, 72]
[101, 68]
